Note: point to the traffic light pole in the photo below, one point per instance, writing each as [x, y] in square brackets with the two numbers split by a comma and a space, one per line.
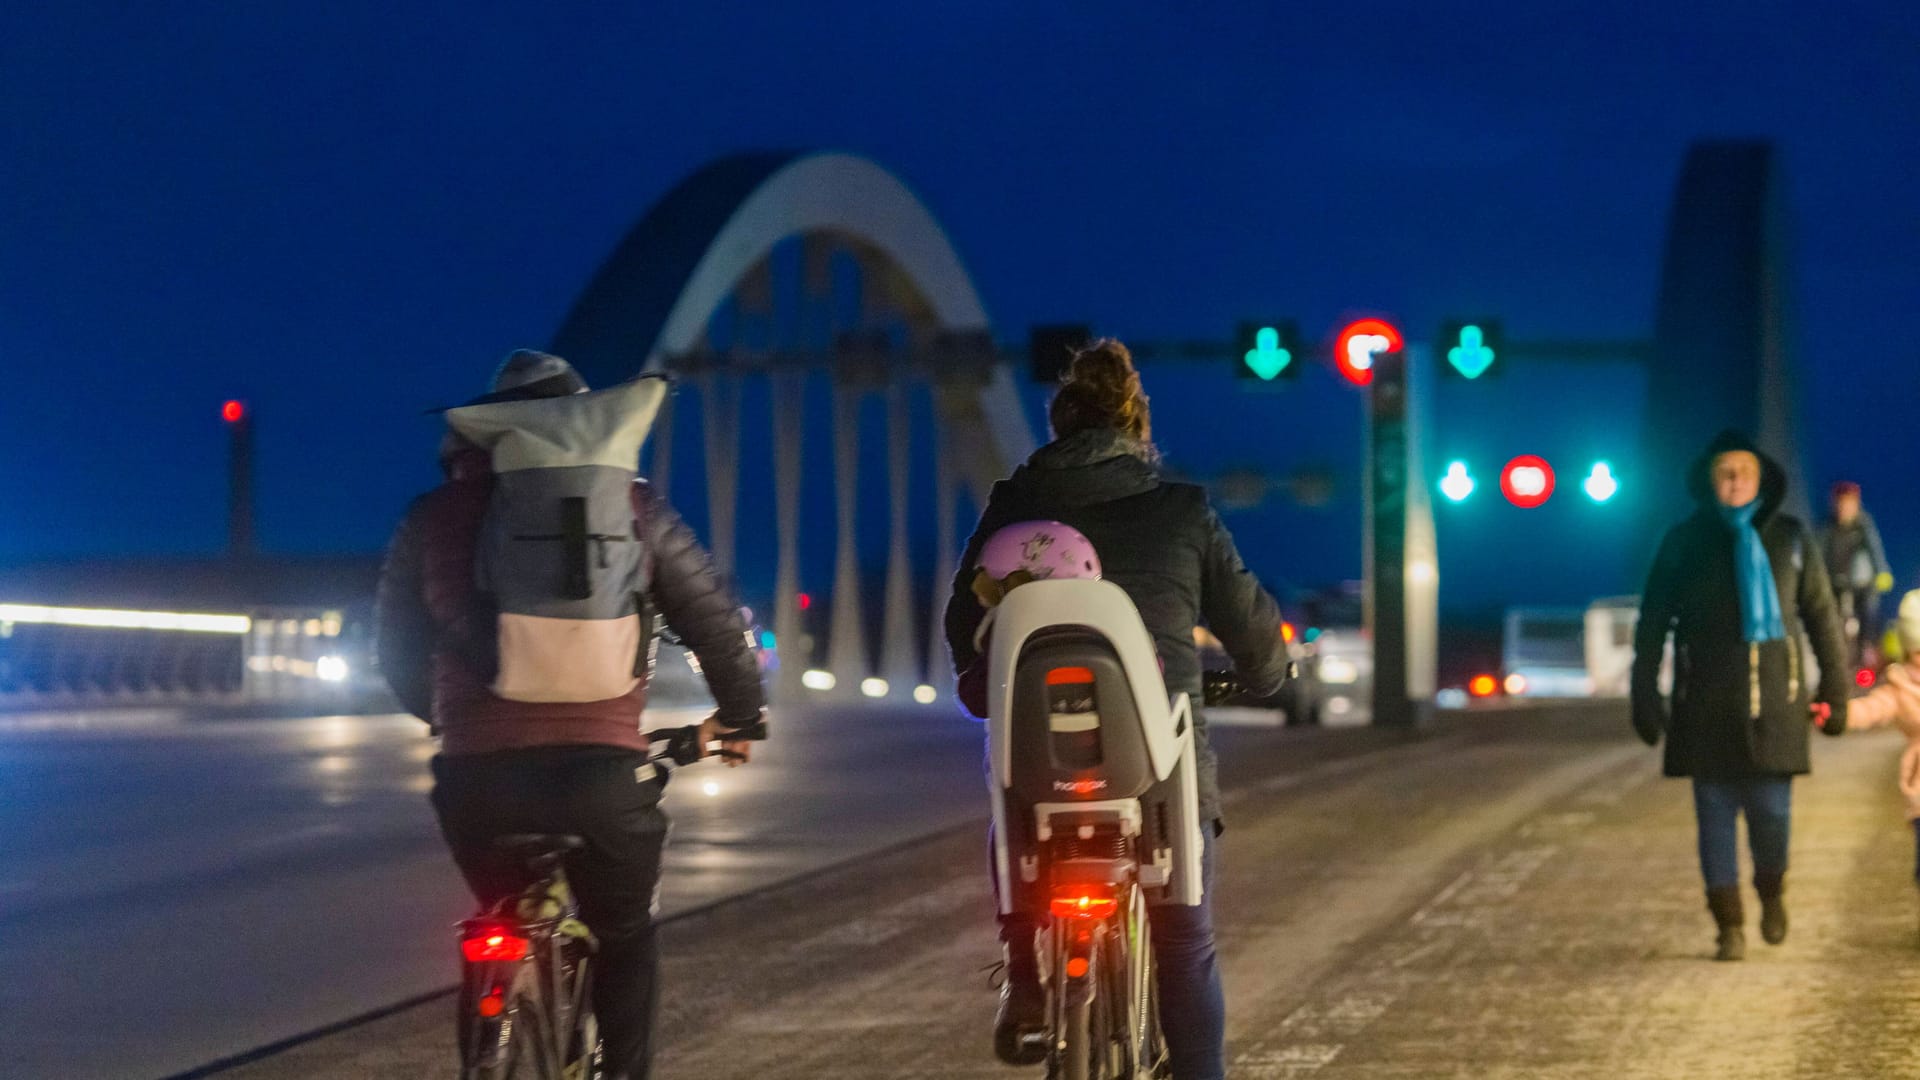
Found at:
[1402, 571]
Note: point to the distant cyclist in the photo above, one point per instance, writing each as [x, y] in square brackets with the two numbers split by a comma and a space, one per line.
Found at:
[511, 765]
[1857, 560]
[1163, 544]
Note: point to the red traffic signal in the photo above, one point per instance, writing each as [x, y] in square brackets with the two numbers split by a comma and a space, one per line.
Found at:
[233, 412]
[1527, 481]
[1359, 343]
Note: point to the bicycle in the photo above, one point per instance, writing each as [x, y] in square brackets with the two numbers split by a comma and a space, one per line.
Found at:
[1098, 974]
[526, 986]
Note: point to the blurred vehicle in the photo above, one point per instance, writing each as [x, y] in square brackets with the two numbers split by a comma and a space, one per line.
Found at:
[1544, 653]
[1610, 623]
[1341, 653]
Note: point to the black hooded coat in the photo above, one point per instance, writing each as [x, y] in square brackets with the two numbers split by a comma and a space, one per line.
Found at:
[1738, 709]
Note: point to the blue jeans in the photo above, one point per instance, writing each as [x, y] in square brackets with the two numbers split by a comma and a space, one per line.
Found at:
[1767, 802]
[1193, 1007]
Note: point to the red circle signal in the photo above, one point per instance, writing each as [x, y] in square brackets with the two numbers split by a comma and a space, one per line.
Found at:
[233, 412]
[1527, 481]
[1359, 343]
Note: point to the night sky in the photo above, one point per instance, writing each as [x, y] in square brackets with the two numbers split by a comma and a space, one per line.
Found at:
[344, 213]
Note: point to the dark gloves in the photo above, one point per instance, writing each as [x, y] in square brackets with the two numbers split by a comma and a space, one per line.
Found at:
[1650, 721]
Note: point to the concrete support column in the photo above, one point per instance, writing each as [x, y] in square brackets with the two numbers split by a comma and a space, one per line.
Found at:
[720, 409]
[939, 670]
[847, 651]
[660, 468]
[789, 403]
[900, 661]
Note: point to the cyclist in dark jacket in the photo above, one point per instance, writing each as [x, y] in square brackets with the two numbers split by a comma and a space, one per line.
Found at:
[528, 767]
[1165, 546]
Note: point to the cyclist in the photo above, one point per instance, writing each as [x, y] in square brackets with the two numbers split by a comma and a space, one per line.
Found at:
[1162, 544]
[522, 767]
[1855, 556]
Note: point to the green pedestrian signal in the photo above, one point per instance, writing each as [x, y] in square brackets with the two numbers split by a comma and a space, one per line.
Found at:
[1473, 347]
[1267, 351]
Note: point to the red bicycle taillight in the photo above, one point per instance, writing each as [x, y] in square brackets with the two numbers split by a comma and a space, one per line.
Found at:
[1083, 904]
[495, 944]
[493, 1004]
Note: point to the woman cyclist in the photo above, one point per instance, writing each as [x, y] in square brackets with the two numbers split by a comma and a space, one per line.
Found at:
[1162, 543]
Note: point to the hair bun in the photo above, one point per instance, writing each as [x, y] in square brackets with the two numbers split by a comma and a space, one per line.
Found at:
[1102, 389]
[1106, 368]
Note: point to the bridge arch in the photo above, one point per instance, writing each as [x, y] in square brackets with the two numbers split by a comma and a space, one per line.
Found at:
[709, 247]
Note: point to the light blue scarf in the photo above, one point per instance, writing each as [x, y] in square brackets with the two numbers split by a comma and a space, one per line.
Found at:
[1759, 597]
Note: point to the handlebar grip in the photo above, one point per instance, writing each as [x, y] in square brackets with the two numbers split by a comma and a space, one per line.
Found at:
[754, 732]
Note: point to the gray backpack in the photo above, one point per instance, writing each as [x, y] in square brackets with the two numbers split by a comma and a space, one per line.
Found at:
[561, 548]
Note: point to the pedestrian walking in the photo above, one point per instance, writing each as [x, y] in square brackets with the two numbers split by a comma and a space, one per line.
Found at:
[1896, 702]
[1743, 591]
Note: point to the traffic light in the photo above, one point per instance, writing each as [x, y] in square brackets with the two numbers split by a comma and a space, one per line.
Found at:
[1600, 484]
[1268, 350]
[1527, 481]
[1458, 483]
[1050, 350]
[233, 412]
[1357, 346]
[1473, 347]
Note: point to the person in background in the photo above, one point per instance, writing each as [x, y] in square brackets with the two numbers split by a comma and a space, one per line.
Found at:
[1736, 585]
[1857, 560]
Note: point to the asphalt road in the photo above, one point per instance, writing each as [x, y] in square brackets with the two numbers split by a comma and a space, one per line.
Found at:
[174, 891]
[1507, 896]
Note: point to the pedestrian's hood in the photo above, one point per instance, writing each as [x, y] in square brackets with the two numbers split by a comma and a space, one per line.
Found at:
[1773, 478]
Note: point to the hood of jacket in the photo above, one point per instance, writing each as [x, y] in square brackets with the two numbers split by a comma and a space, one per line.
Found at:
[1088, 468]
[1773, 478]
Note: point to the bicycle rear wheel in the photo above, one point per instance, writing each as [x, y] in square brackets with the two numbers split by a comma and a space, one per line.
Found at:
[511, 1045]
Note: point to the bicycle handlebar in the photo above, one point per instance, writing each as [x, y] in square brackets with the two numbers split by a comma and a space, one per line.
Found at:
[681, 745]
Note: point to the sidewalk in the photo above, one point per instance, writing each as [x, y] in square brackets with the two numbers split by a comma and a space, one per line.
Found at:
[1579, 946]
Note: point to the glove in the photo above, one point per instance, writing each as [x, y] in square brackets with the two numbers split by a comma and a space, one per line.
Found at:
[1649, 722]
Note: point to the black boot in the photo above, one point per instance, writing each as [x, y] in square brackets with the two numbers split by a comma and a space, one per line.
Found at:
[1731, 917]
[1773, 906]
[1020, 1028]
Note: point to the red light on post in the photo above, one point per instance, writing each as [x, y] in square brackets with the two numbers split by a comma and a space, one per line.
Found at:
[1359, 343]
[1527, 481]
[803, 601]
[233, 412]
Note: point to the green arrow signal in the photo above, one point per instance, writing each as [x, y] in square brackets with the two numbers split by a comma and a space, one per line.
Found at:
[1472, 357]
[1267, 359]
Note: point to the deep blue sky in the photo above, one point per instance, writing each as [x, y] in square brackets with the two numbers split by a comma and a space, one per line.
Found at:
[344, 213]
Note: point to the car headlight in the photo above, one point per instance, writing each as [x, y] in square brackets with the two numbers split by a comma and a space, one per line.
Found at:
[1338, 670]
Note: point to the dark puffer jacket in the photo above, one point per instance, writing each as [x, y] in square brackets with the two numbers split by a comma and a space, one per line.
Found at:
[1737, 710]
[436, 632]
[1160, 542]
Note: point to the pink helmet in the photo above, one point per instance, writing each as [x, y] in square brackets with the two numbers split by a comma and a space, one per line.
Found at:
[1044, 549]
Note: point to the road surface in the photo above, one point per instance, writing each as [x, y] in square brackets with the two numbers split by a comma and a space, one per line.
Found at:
[1509, 896]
